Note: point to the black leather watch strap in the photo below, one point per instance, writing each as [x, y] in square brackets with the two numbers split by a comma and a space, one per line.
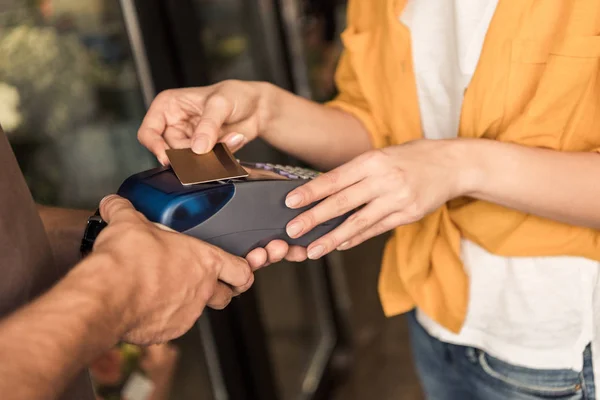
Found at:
[95, 224]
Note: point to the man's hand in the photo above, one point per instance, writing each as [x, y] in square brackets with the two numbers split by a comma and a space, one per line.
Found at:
[170, 277]
[142, 284]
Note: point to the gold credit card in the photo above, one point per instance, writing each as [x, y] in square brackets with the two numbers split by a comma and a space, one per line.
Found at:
[192, 168]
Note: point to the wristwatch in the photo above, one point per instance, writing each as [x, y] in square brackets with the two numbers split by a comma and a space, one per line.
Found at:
[95, 224]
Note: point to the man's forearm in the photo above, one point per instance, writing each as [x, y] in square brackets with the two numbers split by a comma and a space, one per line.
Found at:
[321, 136]
[557, 185]
[47, 343]
[64, 228]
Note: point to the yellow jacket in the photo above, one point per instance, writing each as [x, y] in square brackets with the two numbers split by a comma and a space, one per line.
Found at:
[537, 84]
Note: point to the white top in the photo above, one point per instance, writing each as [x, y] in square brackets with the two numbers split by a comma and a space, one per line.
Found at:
[534, 312]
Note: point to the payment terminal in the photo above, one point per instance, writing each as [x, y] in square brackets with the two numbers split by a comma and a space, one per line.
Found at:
[237, 215]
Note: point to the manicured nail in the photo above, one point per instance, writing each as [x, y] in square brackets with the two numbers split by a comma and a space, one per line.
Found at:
[235, 140]
[316, 252]
[293, 200]
[344, 246]
[200, 145]
[294, 229]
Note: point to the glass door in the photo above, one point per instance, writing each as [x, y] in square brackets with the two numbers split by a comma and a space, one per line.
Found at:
[313, 28]
[71, 98]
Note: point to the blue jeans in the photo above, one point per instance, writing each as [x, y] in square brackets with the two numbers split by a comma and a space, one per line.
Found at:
[450, 372]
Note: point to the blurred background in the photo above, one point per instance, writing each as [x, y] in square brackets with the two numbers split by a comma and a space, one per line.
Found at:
[75, 80]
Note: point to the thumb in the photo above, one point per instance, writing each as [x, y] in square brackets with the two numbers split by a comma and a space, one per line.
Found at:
[164, 227]
[114, 207]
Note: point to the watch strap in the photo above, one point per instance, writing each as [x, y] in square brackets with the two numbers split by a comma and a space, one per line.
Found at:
[95, 224]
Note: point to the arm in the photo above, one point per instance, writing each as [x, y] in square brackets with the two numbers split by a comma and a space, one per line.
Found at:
[142, 284]
[399, 185]
[48, 342]
[552, 184]
[64, 229]
[237, 112]
[319, 135]
[328, 136]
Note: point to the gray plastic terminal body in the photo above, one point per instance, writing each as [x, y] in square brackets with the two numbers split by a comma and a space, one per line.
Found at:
[256, 215]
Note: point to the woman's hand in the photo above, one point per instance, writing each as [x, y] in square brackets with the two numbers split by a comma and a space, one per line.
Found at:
[274, 252]
[394, 186]
[233, 112]
[237, 112]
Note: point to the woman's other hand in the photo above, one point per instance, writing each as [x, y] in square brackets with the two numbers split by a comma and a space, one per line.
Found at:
[391, 187]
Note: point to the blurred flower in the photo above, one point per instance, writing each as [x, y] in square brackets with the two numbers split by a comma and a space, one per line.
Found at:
[160, 361]
[51, 73]
[10, 117]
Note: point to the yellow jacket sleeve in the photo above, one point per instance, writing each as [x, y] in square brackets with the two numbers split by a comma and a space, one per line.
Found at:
[350, 96]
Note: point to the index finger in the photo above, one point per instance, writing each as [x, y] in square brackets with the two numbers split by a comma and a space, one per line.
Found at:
[326, 184]
[216, 111]
[233, 270]
[113, 207]
[237, 273]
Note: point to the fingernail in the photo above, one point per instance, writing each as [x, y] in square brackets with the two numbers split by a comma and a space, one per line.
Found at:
[235, 140]
[315, 252]
[344, 246]
[293, 200]
[105, 199]
[294, 229]
[200, 145]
